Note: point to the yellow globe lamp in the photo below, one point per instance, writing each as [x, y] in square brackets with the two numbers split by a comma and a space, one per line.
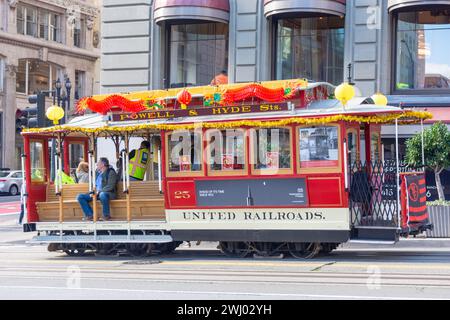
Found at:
[379, 99]
[55, 113]
[344, 93]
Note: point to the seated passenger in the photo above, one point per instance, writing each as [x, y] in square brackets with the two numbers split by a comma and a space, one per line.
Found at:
[82, 172]
[106, 190]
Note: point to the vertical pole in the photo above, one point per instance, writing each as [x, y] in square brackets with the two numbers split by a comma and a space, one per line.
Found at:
[345, 165]
[423, 146]
[398, 174]
[159, 171]
[93, 179]
[127, 177]
[59, 179]
[23, 192]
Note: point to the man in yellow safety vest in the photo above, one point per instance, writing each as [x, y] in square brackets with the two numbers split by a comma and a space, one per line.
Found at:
[139, 160]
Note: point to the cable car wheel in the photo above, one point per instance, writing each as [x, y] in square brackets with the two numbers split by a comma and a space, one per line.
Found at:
[235, 249]
[105, 249]
[138, 249]
[265, 249]
[304, 250]
[75, 250]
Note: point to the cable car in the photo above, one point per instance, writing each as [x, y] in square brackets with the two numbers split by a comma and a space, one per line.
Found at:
[268, 168]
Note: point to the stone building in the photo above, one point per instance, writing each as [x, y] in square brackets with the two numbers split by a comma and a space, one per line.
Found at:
[40, 42]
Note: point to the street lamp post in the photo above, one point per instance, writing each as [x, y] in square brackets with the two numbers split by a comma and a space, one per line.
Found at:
[63, 97]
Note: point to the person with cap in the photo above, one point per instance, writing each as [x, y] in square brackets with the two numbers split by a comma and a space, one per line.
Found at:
[139, 160]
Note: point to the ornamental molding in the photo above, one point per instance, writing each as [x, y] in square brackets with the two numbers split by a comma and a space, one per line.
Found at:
[55, 49]
[13, 3]
[11, 69]
[66, 4]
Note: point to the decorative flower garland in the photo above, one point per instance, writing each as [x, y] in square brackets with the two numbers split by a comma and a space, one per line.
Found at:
[224, 96]
[406, 117]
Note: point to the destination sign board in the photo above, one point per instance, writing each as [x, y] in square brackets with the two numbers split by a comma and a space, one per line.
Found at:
[206, 111]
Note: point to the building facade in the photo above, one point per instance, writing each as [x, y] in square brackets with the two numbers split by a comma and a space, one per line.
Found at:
[397, 47]
[41, 42]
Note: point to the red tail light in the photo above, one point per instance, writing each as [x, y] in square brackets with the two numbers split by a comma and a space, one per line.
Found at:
[2, 180]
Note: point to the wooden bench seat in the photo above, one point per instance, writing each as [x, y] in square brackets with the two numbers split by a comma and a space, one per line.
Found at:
[146, 203]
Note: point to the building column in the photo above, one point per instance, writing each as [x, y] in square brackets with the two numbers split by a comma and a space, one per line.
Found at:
[9, 118]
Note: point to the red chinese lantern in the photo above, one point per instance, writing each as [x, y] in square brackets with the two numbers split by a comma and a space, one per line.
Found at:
[184, 98]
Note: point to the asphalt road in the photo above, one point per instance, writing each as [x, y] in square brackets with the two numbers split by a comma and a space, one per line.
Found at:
[412, 269]
[4, 197]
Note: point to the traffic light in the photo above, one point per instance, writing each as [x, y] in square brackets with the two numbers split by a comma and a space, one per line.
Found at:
[21, 120]
[35, 114]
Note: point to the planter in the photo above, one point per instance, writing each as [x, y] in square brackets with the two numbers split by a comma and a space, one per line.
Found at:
[440, 218]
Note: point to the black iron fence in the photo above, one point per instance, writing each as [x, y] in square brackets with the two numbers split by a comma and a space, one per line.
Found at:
[373, 193]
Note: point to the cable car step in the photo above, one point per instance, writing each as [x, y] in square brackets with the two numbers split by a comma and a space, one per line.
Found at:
[102, 239]
[370, 241]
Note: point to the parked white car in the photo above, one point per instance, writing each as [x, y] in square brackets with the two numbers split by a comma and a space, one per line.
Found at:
[11, 182]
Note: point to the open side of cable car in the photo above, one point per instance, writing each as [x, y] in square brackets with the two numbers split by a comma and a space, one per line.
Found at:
[300, 174]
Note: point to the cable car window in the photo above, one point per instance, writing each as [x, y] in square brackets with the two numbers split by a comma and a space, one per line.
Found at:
[226, 150]
[76, 155]
[319, 147]
[375, 147]
[271, 149]
[184, 151]
[352, 146]
[37, 161]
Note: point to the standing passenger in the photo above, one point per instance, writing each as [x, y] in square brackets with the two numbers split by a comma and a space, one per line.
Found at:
[139, 160]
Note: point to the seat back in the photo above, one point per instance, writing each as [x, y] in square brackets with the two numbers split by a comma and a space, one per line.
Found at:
[138, 190]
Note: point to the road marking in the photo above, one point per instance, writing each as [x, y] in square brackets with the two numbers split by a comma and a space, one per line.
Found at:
[324, 296]
[402, 265]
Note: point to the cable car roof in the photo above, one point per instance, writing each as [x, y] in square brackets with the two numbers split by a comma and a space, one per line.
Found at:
[318, 112]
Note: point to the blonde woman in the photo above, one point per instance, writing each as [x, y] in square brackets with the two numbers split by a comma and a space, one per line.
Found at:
[82, 172]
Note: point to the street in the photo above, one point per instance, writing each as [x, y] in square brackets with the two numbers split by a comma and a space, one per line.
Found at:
[412, 269]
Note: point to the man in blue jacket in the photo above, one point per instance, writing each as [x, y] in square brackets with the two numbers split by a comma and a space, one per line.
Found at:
[105, 183]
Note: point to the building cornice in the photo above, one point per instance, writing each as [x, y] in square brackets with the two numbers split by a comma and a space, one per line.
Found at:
[65, 4]
[56, 48]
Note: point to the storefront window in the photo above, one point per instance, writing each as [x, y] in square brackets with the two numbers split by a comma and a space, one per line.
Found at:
[37, 161]
[311, 48]
[318, 147]
[198, 52]
[271, 149]
[184, 151]
[40, 76]
[422, 56]
[226, 150]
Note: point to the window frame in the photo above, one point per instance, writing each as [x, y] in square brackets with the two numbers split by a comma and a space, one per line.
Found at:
[274, 39]
[222, 172]
[48, 26]
[333, 169]
[394, 37]
[271, 172]
[356, 133]
[167, 50]
[2, 74]
[180, 174]
[42, 156]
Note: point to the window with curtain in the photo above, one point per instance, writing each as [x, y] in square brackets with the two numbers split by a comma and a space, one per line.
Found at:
[422, 61]
[310, 47]
[197, 53]
[35, 75]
